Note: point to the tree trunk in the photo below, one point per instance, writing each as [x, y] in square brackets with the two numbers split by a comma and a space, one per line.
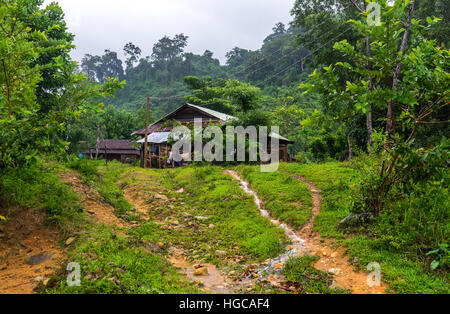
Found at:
[7, 91]
[390, 116]
[369, 120]
[350, 147]
[369, 123]
[98, 141]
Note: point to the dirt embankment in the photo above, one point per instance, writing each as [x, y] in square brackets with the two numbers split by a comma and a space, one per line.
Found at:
[29, 246]
[29, 251]
[91, 200]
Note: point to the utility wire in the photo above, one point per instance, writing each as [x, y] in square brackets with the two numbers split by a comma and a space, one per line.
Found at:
[273, 54]
[301, 60]
[279, 50]
[259, 69]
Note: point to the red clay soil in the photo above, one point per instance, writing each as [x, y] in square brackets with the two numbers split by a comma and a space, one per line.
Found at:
[333, 258]
[29, 251]
[91, 200]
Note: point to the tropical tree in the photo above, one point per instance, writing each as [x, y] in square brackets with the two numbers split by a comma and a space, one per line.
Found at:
[132, 53]
[410, 84]
[28, 126]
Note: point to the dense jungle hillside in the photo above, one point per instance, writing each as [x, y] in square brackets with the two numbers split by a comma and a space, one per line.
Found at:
[359, 89]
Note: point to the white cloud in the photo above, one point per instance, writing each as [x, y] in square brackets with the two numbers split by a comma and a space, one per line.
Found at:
[215, 25]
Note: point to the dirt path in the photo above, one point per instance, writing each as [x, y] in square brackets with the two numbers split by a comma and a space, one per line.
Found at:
[205, 275]
[333, 259]
[29, 252]
[91, 200]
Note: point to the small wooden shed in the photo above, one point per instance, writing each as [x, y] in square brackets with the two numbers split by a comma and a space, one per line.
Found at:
[120, 150]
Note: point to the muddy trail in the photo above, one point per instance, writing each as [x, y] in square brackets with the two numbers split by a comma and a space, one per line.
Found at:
[333, 259]
[269, 273]
[29, 252]
[204, 275]
[92, 203]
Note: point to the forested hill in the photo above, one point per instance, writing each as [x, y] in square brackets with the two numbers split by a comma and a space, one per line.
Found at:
[261, 86]
[161, 73]
[365, 102]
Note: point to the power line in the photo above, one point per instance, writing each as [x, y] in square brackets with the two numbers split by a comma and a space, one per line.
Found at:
[280, 72]
[279, 50]
[301, 60]
[170, 97]
[257, 70]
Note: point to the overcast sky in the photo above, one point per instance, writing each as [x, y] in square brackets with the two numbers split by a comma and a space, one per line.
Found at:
[216, 25]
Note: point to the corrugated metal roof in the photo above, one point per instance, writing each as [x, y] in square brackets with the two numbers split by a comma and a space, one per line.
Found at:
[156, 138]
[158, 128]
[281, 138]
[219, 115]
[160, 137]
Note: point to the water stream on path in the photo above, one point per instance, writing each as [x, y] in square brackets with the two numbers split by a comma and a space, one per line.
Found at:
[298, 244]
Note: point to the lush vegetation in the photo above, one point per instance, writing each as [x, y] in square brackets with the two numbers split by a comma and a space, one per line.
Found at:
[373, 94]
[284, 197]
[400, 237]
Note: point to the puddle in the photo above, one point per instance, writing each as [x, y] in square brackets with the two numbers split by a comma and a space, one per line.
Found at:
[212, 281]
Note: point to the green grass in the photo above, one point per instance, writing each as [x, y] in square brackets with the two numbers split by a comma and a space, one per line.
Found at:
[211, 194]
[334, 179]
[403, 268]
[286, 198]
[113, 264]
[38, 186]
[306, 278]
[115, 260]
[103, 177]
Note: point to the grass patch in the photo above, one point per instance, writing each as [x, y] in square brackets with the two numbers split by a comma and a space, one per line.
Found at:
[103, 177]
[38, 186]
[284, 197]
[306, 278]
[112, 264]
[334, 179]
[210, 198]
[401, 270]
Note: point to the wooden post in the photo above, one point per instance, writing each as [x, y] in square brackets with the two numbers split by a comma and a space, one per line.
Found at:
[146, 132]
[98, 140]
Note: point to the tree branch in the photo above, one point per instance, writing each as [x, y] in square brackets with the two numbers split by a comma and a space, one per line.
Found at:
[355, 5]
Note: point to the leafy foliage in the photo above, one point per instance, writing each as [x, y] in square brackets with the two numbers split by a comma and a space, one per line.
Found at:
[40, 89]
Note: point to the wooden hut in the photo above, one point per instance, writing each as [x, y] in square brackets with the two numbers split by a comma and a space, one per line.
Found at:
[159, 148]
[120, 150]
